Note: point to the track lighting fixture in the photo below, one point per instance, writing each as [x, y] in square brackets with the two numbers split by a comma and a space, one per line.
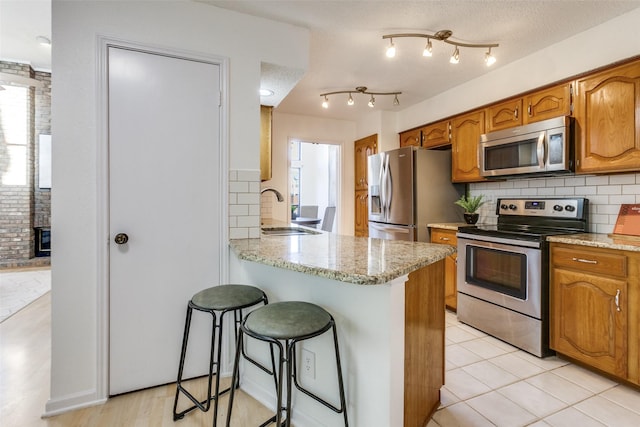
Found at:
[443, 36]
[362, 90]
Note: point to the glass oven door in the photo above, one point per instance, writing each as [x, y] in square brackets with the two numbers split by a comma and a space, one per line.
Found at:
[504, 274]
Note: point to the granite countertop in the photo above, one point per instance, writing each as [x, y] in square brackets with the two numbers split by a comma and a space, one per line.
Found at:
[448, 225]
[359, 260]
[607, 241]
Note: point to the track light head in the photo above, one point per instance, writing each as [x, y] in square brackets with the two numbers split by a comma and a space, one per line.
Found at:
[428, 49]
[391, 50]
[372, 102]
[489, 59]
[455, 57]
[350, 100]
[325, 102]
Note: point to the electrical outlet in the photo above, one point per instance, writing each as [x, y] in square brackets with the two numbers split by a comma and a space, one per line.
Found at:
[308, 364]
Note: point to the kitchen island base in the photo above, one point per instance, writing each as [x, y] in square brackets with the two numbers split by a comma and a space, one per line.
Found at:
[391, 339]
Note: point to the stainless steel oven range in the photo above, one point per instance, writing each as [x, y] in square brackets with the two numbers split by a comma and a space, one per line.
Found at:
[503, 275]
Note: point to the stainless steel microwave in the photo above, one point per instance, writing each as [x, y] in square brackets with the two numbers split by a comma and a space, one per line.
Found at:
[543, 147]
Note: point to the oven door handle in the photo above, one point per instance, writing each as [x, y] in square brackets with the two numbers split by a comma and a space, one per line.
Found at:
[493, 239]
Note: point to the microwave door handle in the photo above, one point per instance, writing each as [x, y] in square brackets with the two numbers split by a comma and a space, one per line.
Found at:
[541, 150]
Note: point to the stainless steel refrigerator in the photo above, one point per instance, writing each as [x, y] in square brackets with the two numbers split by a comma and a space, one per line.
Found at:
[409, 188]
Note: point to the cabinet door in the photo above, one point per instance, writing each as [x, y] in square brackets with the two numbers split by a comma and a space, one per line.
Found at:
[363, 148]
[265, 142]
[436, 135]
[548, 103]
[606, 110]
[589, 319]
[448, 237]
[361, 214]
[465, 138]
[504, 115]
[411, 138]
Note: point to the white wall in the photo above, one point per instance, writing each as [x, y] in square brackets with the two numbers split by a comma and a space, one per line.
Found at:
[306, 128]
[179, 25]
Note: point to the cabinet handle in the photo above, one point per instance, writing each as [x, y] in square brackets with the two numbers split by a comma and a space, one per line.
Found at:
[586, 261]
[617, 300]
[529, 110]
[446, 239]
[515, 113]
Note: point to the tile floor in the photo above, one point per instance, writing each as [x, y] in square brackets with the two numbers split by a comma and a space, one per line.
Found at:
[490, 383]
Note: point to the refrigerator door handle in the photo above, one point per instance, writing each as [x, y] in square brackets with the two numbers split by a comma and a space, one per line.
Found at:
[382, 187]
[390, 190]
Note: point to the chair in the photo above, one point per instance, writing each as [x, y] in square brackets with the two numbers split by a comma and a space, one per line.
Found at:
[283, 325]
[327, 221]
[222, 299]
[309, 211]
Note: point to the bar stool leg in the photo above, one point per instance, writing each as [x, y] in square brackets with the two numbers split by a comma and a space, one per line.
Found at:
[205, 404]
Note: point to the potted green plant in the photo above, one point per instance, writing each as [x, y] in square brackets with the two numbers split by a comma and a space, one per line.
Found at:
[470, 204]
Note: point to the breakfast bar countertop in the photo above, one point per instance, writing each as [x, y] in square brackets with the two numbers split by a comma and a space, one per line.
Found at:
[358, 260]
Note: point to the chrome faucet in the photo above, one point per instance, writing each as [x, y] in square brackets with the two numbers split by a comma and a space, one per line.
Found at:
[276, 192]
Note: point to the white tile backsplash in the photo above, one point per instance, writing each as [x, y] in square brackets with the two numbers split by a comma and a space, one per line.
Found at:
[244, 204]
[605, 193]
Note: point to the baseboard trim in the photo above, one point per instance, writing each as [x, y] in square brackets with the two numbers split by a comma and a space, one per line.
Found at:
[72, 402]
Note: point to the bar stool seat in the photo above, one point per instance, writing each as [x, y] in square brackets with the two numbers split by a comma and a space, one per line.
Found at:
[291, 322]
[217, 299]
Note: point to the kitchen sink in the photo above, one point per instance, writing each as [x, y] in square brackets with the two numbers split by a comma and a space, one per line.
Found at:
[287, 231]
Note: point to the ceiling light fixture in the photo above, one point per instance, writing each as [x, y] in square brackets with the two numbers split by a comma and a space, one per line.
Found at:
[443, 36]
[266, 92]
[44, 41]
[363, 90]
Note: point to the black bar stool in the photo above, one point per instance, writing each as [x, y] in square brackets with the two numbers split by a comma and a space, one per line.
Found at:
[288, 322]
[223, 299]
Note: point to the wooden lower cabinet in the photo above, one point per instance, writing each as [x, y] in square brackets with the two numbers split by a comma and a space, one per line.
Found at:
[448, 237]
[362, 214]
[594, 308]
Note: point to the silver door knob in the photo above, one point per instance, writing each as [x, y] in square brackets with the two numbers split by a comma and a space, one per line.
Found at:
[121, 238]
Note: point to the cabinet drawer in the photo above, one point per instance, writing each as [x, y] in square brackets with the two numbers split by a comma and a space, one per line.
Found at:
[447, 237]
[590, 261]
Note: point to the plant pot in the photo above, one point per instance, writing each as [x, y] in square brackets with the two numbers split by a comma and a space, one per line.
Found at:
[471, 218]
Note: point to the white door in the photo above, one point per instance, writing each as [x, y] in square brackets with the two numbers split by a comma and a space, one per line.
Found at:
[164, 195]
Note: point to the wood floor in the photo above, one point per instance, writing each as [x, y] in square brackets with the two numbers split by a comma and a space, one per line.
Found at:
[25, 353]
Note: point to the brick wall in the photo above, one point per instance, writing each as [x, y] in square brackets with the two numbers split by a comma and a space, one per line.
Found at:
[25, 114]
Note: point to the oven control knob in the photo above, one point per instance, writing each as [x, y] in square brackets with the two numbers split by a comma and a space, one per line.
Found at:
[557, 208]
[570, 208]
[513, 207]
[504, 207]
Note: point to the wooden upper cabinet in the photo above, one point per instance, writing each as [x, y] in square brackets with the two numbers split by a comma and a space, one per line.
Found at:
[504, 115]
[265, 142]
[436, 135]
[607, 111]
[411, 138]
[465, 137]
[364, 148]
[548, 103]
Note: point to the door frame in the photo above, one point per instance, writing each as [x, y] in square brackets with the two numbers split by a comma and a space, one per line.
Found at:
[339, 174]
[102, 184]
